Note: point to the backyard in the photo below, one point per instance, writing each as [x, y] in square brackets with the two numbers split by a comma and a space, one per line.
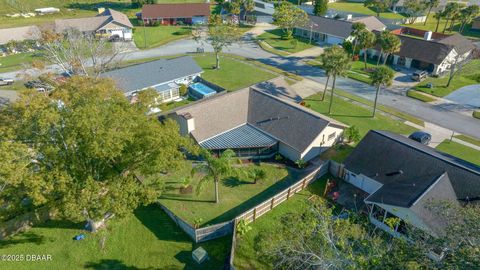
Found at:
[246, 255]
[432, 24]
[146, 239]
[18, 61]
[237, 193]
[461, 151]
[154, 36]
[468, 75]
[275, 39]
[360, 8]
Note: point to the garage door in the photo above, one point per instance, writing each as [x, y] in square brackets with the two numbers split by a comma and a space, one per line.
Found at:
[334, 40]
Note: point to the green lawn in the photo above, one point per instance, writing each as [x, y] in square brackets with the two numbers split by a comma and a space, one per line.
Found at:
[246, 255]
[158, 35]
[233, 74]
[468, 139]
[470, 74]
[420, 96]
[18, 61]
[352, 114]
[360, 8]
[461, 151]
[293, 45]
[146, 239]
[432, 24]
[237, 194]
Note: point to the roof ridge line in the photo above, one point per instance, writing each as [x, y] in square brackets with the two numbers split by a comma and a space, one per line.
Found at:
[382, 133]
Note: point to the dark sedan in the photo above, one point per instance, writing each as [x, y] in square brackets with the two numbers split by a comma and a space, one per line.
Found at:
[421, 137]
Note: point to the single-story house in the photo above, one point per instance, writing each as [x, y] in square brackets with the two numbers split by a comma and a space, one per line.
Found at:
[476, 24]
[426, 53]
[172, 14]
[256, 124]
[164, 75]
[335, 31]
[403, 178]
[19, 34]
[108, 23]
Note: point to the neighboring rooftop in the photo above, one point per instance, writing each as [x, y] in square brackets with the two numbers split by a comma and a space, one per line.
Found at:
[407, 169]
[343, 28]
[185, 10]
[150, 74]
[91, 24]
[274, 117]
[19, 34]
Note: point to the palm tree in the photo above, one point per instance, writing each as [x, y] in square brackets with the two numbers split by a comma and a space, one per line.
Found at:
[431, 4]
[235, 8]
[455, 16]
[214, 169]
[325, 65]
[467, 14]
[381, 41]
[356, 29]
[366, 39]
[249, 6]
[392, 45]
[383, 75]
[450, 9]
[337, 62]
[438, 16]
[257, 174]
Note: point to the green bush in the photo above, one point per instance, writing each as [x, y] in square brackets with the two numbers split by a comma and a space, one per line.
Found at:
[418, 95]
[183, 90]
[476, 114]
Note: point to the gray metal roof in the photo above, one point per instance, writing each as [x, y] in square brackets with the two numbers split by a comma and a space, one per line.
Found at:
[407, 168]
[149, 74]
[341, 28]
[244, 136]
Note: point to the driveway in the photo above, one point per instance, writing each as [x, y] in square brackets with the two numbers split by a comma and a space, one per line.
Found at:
[468, 95]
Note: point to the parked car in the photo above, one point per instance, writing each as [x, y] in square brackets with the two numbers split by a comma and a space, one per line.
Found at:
[6, 81]
[419, 75]
[114, 38]
[421, 137]
[39, 86]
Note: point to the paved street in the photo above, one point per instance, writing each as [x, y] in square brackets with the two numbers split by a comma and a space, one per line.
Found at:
[437, 114]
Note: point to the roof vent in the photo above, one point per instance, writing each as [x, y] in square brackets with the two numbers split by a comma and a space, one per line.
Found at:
[394, 173]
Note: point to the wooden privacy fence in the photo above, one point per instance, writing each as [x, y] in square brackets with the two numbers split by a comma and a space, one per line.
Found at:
[225, 228]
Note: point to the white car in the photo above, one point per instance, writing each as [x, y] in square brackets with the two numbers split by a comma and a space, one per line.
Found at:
[6, 81]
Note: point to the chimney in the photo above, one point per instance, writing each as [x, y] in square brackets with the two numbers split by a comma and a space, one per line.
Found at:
[101, 10]
[427, 35]
[349, 17]
[188, 125]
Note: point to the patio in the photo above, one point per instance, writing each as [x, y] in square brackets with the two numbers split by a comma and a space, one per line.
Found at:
[349, 196]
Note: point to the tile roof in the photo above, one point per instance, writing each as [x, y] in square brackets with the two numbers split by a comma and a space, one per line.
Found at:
[342, 28]
[407, 168]
[184, 10]
[285, 121]
[144, 75]
[244, 136]
[19, 34]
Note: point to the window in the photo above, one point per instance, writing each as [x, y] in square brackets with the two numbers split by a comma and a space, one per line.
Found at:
[332, 136]
[175, 93]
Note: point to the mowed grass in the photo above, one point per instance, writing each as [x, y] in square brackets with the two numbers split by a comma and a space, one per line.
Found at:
[470, 74]
[233, 74]
[154, 36]
[275, 39]
[460, 151]
[355, 115]
[237, 193]
[360, 8]
[18, 61]
[146, 239]
[247, 255]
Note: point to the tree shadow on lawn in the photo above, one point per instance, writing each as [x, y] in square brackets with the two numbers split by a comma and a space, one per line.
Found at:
[113, 264]
[119, 6]
[23, 238]
[160, 224]
[232, 182]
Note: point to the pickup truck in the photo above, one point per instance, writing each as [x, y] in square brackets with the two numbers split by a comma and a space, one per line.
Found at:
[6, 81]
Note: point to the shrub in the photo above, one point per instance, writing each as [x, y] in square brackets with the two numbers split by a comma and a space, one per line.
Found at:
[278, 157]
[352, 134]
[183, 90]
[243, 227]
[197, 222]
[476, 114]
[301, 163]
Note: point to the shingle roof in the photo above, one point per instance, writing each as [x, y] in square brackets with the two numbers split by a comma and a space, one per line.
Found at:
[140, 76]
[19, 34]
[185, 10]
[342, 28]
[244, 136]
[382, 155]
[91, 24]
[459, 42]
[283, 120]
